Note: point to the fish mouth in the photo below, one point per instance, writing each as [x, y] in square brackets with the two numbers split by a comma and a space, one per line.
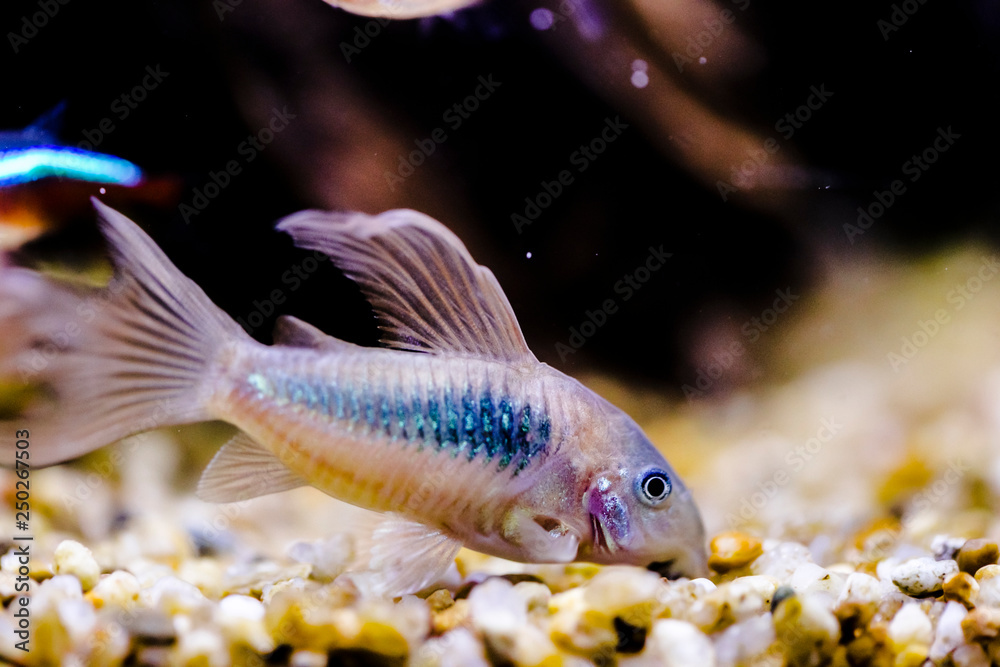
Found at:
[600, 537]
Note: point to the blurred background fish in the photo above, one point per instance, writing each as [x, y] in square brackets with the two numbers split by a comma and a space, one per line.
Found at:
[45, 183]
[34, 153]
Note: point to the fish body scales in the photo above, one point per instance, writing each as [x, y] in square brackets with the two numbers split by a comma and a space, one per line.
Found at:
[393, 431]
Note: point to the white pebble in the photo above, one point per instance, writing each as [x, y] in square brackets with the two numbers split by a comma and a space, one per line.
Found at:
[201, 646]
[242, 620]
[78, 618]
[679, 596]
[673, 643]
[949, 635]
[615, 590]
[970, 655]
[910, 626]
[810, 577]
[10, 562]
[817, 620]
[944, 547]
[989, 591]
[501, 614]
[457, 648]
[534, 594]
[297, 584]
[860, 588]
[10, 587]
[741, 598]
[744, 641]
[174, 596]
[75, 559]
[329, 558]
[118, 589]
[780, 559]
[305, 658]
[496, 609]
[59, 587]
[919, 576]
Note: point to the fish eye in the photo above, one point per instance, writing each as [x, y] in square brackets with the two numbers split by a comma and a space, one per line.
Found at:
[654, 487]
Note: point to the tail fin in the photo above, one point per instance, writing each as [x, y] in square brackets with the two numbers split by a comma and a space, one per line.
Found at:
[136, 355]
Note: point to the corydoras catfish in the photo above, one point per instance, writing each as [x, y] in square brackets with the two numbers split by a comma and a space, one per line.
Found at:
[453, 431]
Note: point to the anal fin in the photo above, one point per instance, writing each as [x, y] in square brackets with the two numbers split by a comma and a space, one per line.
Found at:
[244, 469]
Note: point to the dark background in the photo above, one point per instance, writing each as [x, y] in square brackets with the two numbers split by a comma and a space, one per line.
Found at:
[939, 69]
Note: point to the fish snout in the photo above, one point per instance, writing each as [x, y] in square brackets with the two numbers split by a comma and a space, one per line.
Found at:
[693, 564]
[685, 554]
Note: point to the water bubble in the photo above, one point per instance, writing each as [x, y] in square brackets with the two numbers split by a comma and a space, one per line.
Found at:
[640, 79]
[528, 255]
[639, 65]
[542, 19]
[702, 60]
[103, 191]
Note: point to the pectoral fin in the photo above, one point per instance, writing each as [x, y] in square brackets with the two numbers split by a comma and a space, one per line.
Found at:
[244, 469]
[542, 539]
[397, 556]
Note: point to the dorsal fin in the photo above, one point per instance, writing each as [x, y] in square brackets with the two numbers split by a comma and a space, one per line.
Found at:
[292, 331]
[428, 293]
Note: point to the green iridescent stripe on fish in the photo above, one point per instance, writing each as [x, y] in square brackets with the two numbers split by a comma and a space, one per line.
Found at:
[479, 426]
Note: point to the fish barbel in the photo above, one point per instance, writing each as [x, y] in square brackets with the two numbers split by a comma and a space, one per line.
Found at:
[452, 433]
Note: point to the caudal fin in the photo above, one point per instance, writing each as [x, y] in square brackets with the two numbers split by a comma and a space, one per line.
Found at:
[96, 365]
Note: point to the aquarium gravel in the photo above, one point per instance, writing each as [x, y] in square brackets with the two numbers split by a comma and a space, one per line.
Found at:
[850, 505]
